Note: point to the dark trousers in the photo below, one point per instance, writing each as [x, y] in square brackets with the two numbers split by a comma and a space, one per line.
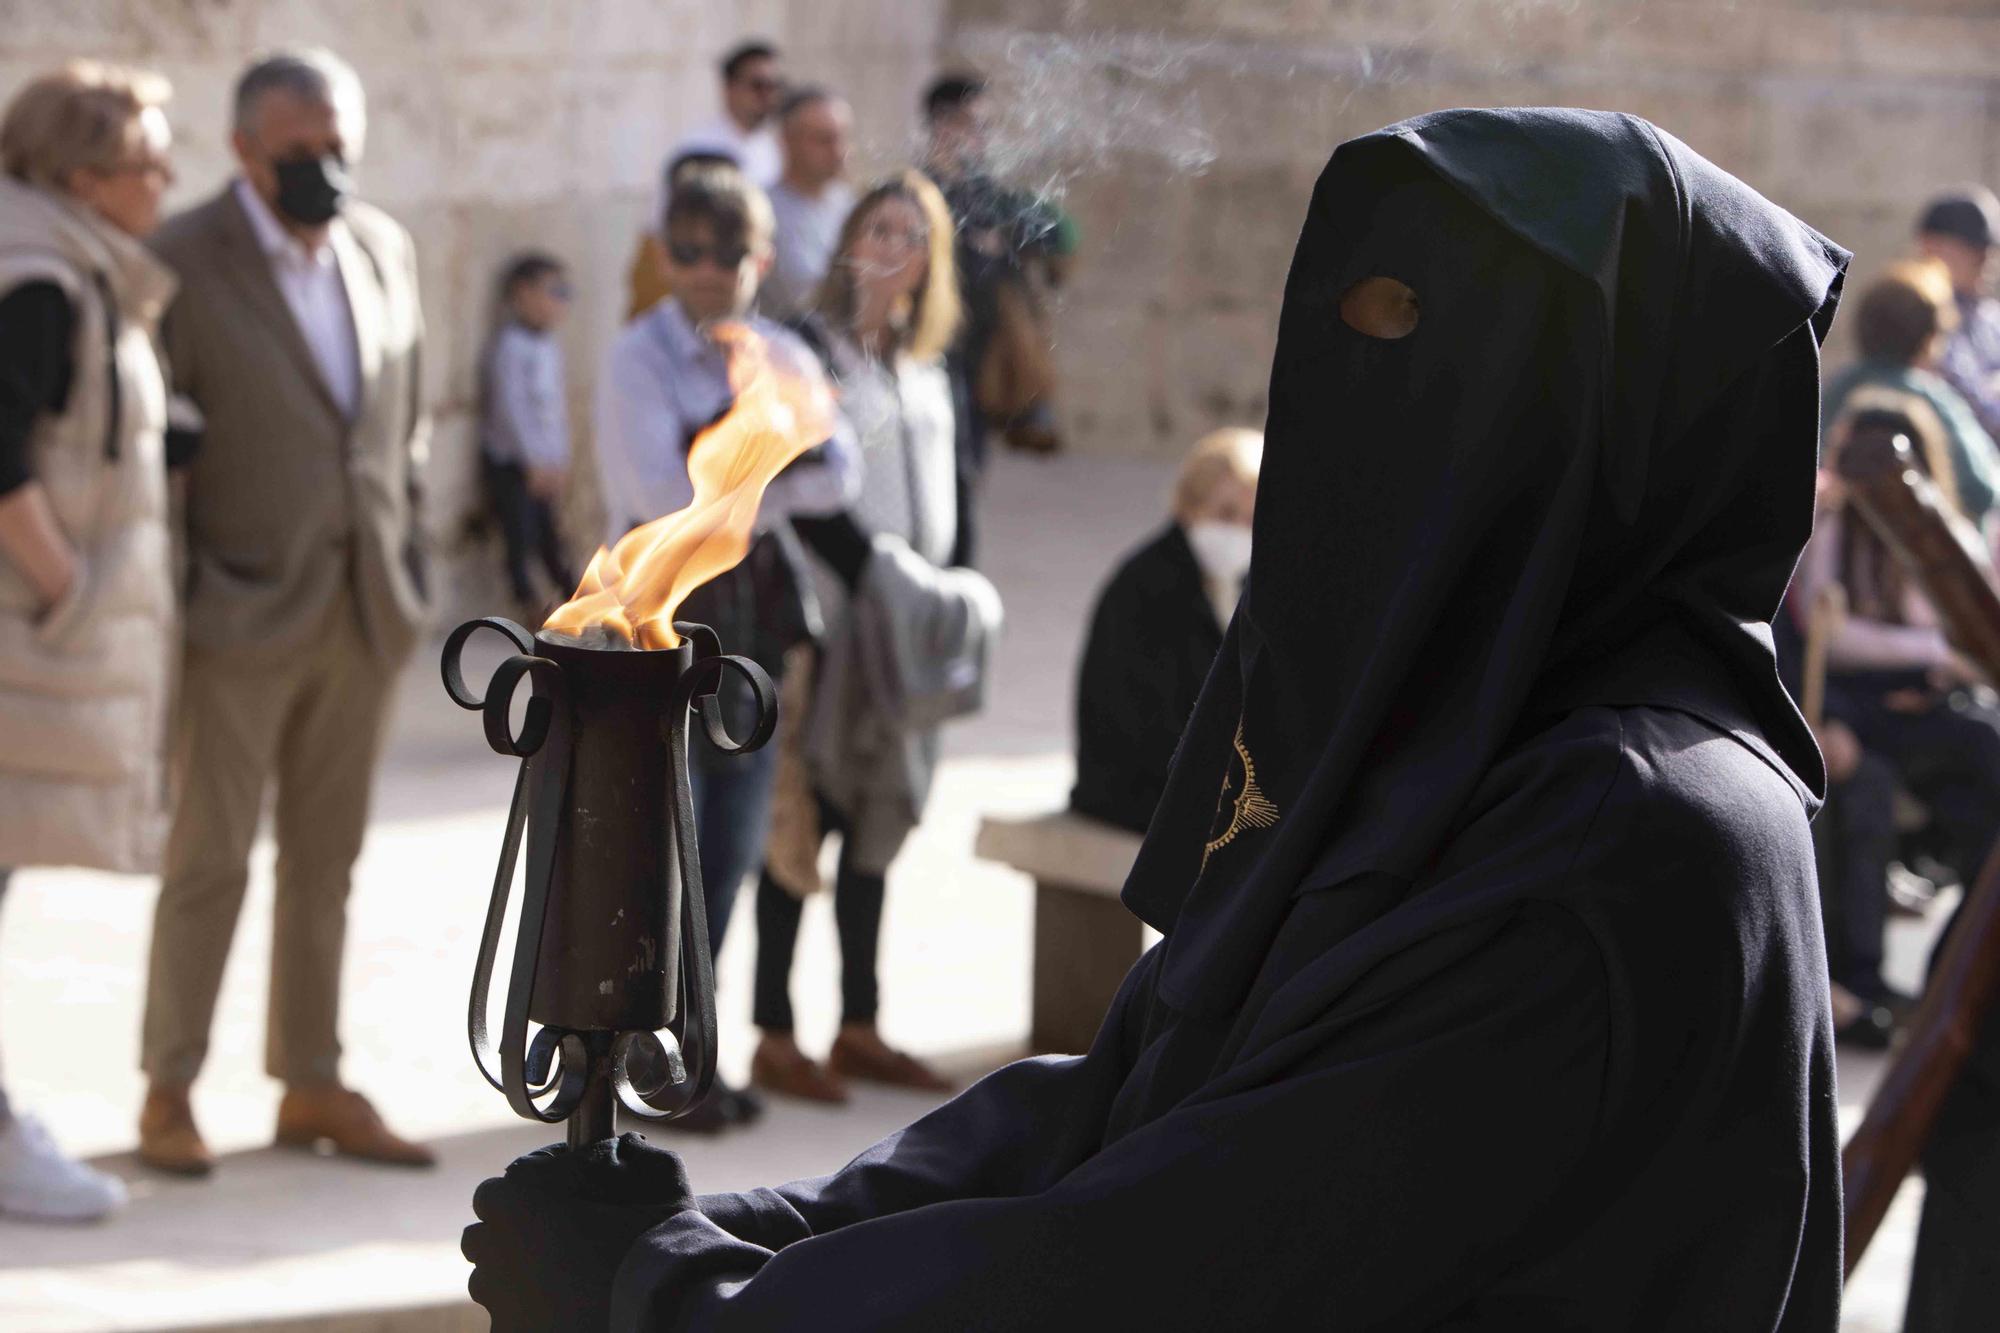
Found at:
[1854, 839]
[527, 530]
[857, 915]
[970, 450]
[732, 813]
[1949, 756]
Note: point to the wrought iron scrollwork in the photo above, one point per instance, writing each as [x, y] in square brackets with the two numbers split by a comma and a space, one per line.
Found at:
[557, 1063]
[655, 1075]
[682, 1060]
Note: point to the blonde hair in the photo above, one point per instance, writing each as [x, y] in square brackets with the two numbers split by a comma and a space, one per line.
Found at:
[1905, 309]
[1233, 453]
[82, 117]
[926, 326]
[1875, 578]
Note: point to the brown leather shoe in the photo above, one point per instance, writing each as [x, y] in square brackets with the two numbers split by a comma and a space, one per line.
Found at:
[168, 1138]
[327, 1113]
[872, 1060]
[782, 1068]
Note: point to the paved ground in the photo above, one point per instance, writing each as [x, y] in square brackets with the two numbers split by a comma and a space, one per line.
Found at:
[279, 1236]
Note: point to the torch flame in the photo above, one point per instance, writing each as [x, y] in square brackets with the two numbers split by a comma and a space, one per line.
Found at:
[634, 587]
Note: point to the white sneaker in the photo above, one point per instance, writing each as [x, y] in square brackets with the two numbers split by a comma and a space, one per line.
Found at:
[37, 1181]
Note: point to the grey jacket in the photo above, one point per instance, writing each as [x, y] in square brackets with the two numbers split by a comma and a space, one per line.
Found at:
[871, 741]
[909, 656]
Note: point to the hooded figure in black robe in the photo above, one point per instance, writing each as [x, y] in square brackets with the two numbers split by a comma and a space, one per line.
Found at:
[1492, 993]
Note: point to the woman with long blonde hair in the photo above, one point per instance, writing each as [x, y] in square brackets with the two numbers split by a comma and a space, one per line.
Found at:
[882, 320]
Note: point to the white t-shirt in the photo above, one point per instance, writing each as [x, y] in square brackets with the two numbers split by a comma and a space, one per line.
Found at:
[803, 245]
[756, 151]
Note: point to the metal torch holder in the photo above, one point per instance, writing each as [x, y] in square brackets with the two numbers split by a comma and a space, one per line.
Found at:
[612, 954]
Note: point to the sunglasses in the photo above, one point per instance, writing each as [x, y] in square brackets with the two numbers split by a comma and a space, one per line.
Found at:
[686, 254]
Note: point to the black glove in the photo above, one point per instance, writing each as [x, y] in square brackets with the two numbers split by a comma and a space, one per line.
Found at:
[553, 1230]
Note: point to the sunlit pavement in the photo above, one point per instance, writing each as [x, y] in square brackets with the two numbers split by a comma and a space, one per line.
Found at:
[278, 1235]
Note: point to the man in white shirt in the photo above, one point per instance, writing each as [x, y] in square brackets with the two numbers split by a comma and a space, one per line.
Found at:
[308, 277]
[296, 334]
[752, 87]
[810, 202]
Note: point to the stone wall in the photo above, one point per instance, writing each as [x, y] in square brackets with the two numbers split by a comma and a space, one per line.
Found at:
[1183, 134]
[1849, 112]
[495, 125]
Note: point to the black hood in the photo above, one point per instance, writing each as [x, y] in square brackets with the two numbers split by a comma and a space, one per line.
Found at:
[1585, 477]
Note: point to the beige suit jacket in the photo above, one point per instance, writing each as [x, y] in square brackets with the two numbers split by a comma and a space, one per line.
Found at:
[288, 497]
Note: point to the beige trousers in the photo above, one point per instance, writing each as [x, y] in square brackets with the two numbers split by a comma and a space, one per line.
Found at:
[315, 724]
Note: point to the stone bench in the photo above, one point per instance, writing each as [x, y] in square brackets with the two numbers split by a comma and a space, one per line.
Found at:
[1085, 940]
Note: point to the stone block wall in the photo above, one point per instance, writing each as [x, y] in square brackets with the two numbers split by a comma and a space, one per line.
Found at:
[493, 126]
[1849, 112]
[1184, 135]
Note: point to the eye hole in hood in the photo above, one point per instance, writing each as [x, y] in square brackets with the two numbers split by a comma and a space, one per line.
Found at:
[1380, 307]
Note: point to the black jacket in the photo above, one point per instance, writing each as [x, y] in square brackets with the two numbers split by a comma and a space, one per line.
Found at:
[1595, 1093]
[1152, 639]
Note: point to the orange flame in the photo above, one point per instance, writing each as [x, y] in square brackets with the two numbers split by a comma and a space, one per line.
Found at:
[634, 587]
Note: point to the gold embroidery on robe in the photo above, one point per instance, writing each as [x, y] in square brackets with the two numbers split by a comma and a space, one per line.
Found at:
[1249, 808]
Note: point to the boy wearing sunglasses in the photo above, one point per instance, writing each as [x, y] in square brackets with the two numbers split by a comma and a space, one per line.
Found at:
[667, 377]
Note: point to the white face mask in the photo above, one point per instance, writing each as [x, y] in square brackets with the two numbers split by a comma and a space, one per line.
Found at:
[1221, 549]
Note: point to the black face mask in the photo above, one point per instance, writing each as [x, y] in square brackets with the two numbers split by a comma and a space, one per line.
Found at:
[311, 190]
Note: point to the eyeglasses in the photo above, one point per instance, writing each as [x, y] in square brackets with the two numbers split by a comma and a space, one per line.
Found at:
[888, 234]
[686, 255]
[157, 168]
[766, 86]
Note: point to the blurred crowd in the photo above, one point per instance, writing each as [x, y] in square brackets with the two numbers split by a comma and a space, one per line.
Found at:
[1909, 726]
[213, 563]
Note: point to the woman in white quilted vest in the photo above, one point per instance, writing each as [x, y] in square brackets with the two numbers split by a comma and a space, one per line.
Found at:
[86, 591]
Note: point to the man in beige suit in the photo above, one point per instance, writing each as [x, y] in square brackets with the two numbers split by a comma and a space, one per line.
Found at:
[296, 334]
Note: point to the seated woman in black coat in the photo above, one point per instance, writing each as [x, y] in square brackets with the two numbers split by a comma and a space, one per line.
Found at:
[1156, 629]
[1492, 993]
